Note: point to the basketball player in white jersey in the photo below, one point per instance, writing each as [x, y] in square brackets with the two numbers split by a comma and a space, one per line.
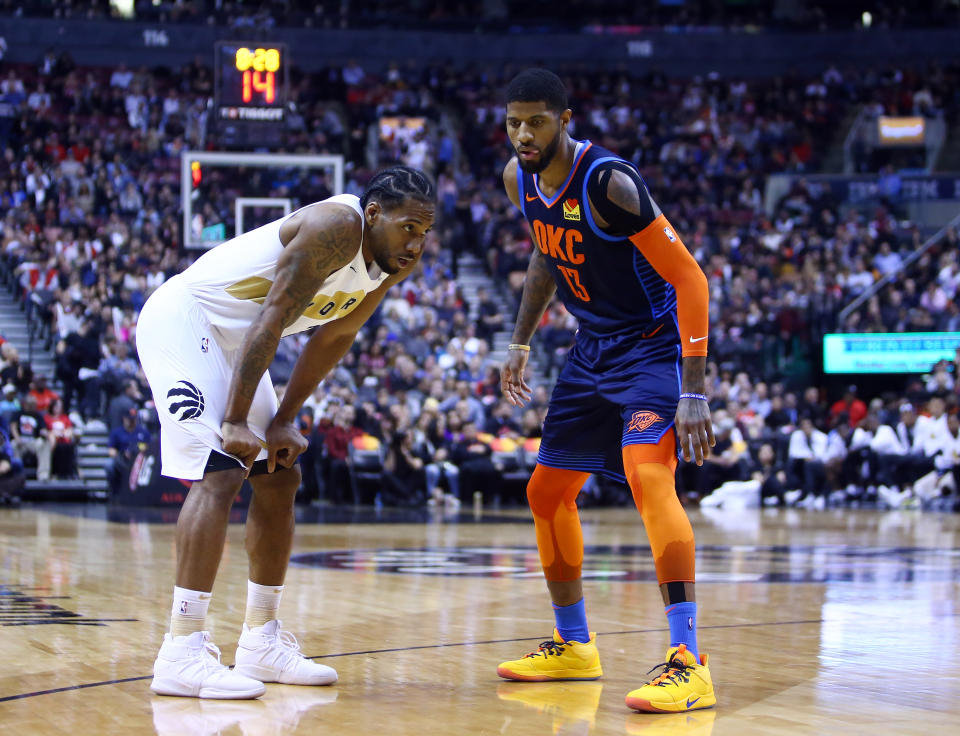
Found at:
[205, 339]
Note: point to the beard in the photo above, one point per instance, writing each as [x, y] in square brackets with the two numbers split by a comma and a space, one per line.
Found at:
[383, 261]
[546, 156]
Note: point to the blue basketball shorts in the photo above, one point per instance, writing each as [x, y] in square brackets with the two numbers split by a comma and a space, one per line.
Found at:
[613, 392]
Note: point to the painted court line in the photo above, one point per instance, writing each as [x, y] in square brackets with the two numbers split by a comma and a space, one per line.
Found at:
[414, 648]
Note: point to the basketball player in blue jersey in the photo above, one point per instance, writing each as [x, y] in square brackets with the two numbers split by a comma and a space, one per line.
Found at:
[632, 388]
[205, 339]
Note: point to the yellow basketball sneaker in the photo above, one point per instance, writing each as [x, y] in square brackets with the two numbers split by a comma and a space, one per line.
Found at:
[556, 659]
[682, 685]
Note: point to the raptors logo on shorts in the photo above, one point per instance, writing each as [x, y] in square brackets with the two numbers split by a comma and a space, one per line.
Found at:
[186, 401]
[643, 419]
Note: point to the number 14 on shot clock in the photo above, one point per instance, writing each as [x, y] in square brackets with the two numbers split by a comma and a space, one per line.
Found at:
[251, 81]
[259, 68]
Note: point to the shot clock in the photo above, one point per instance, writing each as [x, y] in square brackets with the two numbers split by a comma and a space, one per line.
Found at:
[251, 82]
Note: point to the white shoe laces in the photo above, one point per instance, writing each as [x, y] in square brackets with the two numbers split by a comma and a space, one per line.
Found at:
[291, 656]
[208, 652]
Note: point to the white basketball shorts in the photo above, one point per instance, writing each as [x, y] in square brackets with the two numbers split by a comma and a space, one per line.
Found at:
[189, 375]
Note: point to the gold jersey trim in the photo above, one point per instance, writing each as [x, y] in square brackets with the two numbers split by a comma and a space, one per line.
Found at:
[321, 307]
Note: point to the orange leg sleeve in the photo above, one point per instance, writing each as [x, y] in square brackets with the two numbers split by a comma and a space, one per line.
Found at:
[650, 472]
[552, 494]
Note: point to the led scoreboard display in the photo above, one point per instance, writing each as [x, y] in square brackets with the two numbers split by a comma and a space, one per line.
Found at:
[251, 82]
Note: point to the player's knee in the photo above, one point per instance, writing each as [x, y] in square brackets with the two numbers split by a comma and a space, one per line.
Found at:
[645, 474]
[650, 482]
[278, 487]
[549, 487]
[543, 499]
[288, 480]
[221, 486]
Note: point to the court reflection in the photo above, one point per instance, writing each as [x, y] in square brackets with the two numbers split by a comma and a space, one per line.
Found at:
[569, 707]
[694, 723]
[285, 706]
[179, 716]
[279, 712]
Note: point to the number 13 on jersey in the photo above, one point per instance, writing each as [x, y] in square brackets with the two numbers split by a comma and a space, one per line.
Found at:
[572, 276]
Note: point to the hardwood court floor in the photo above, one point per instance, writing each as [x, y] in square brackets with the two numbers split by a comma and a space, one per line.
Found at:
[817, 623]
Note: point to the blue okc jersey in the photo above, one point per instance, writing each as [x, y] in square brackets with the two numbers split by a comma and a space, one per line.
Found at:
[603, 280]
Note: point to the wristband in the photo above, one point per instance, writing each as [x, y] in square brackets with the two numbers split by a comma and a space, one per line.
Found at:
[698, 397]
[518, 346]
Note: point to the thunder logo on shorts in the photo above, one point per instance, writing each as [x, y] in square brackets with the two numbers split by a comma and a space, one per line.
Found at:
[186, 401]
[643, 419]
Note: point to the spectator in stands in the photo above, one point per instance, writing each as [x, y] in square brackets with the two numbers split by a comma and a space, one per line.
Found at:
[772, 476]
[404, 475]
[42, 394]
[899, 457]
[887, 261]
[930, 429]
[806, 470]
[854, 408]
[123, 446]
[121, 404]
[810, 406]
[12, 479]
[940, 382]
[442, 477]
[14, 371]
[115, 369]
[501, 422]
[943, 480]
[63, 458]
[465, 400]
[531, 424]
[77, 365]
[727, 459]
[30, 438]
[337, 443]
[477, 471]
[9, 406]
[490, 317]
[778, 417]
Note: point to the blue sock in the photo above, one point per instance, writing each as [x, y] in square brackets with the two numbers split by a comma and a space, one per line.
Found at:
[572, 622]
[682, 618]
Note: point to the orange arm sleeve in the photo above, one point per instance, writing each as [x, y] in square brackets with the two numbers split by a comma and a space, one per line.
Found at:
[662, 247]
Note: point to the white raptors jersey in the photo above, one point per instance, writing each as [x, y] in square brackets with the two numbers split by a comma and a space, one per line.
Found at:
[231, 281]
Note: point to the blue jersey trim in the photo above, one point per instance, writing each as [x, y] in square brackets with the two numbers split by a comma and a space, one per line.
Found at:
[586, 201]
[575, 464]
[637, 255]
[626, 440]
[520, 191]
[679, 360]
[669, 301]
[582, 148]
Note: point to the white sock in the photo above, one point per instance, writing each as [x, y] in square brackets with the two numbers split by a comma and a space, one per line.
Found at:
[189, 611]
[263, 602]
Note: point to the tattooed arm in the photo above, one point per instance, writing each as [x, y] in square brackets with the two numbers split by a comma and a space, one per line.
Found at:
[538, 290]
[325, 240]
[328, 344]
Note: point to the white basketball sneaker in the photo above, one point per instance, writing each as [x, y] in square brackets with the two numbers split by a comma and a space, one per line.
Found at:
[269, 654]
[189, 666]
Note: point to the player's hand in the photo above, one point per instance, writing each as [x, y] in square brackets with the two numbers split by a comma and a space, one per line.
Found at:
[240, 442]
[284, 444]
[694, 429]
[512, 385]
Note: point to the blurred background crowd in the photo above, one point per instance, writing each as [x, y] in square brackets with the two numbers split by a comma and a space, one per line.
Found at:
[89, 196]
